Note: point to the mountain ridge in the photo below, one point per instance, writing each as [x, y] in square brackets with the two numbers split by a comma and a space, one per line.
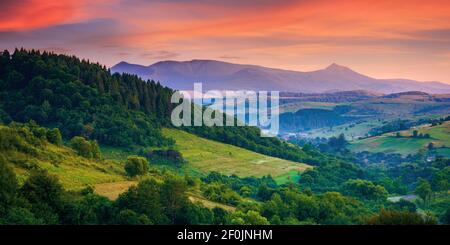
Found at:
[229, 76]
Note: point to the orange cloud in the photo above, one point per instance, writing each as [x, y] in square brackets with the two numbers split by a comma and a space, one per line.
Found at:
[294, 20]
[29, 14]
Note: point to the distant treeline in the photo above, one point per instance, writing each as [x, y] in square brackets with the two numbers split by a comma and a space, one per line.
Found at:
[308, 119]
[337, 97]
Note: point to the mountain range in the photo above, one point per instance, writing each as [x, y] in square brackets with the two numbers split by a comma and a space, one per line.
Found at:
[228, 76]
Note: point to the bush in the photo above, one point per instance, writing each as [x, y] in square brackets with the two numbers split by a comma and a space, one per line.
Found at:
[41, 187]
[129, 217]
[8, 139]
[365, 189]
[54, 136]
[445, 219]
[219, 192]
[85, 148]
[166, 156]
[136, 166]
[9, 186]
[251, 217]
[391, 217]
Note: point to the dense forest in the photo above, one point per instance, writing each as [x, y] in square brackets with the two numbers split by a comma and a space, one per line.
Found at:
[307, 119]
[83, 98]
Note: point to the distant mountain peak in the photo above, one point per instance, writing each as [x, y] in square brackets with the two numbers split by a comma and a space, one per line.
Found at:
[205, 61]
[122, 63]
[336, 67]
[163, 62]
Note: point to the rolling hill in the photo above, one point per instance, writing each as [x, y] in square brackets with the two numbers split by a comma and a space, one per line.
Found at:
[228, 76]
[360, 117]
[116, 110]
[26, 152]
[207, 155]
[389, 143]
[405, 104]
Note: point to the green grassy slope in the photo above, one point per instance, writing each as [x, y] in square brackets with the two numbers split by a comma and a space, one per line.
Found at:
[73, 171]
[295, 106]
[352, 131]
[206, 156]
[25, 152]
[389, 143]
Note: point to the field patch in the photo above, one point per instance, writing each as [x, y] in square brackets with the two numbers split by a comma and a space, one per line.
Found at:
[114, 189]
[352, 131]
[390, 143]
[207, 156]
[196, 197]
[73, 171]
[295, 106]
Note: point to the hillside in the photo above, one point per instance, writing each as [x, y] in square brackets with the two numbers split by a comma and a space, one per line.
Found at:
[228, 76]
[335, 97]
[28, 152]
[405, 144]
[83, 98]
[21, 148]
[58, 186]
[207, 155]
[359, 118]
[89, 149]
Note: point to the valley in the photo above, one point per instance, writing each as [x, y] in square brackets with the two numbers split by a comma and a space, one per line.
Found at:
[82, 145]
[362, 117]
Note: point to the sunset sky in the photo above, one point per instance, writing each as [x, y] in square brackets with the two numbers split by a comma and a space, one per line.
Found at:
[383, 39]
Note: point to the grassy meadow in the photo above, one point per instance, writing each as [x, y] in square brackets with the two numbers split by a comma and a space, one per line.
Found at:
[206, 156]
[295, 106]
[389, 143]
[352, 131]
[73, 171]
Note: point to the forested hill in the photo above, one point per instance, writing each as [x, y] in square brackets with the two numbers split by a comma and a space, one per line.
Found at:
[81, 98]
[84, 98]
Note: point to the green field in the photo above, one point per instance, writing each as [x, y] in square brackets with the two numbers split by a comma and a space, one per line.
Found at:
[389, 143]
[295, 106]
[206, 156]
[292, 176]
[73, 171]
[352, 131]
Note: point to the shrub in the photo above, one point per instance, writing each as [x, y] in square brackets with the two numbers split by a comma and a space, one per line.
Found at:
[365, 189]
[251, 217]
[8, 185]
[391, 217]
[136, 166]
[54, 136]
[169, 156]
[85, 148]
[43, 189]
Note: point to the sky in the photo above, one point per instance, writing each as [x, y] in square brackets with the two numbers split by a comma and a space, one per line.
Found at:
[380, 38]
